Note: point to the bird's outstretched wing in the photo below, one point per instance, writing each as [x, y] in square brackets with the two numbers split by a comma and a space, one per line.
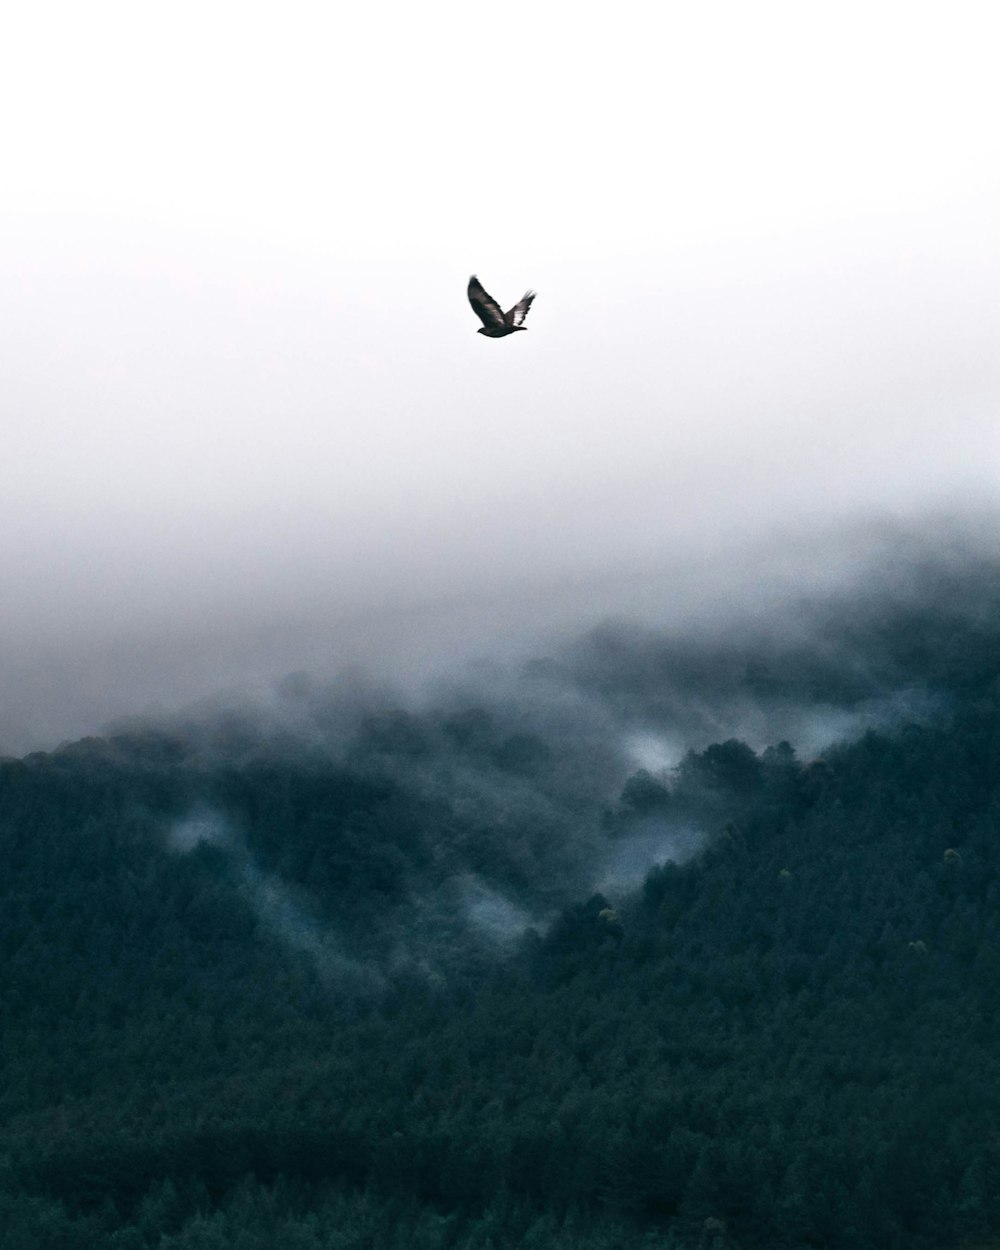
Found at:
[485, 306]
[520, 310]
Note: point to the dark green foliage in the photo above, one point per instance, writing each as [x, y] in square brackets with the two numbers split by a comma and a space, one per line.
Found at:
[288, 1034]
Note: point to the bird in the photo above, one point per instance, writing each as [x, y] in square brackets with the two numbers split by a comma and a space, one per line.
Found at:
[497, 323]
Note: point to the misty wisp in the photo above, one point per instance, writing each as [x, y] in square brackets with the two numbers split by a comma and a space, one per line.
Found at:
[379, 834]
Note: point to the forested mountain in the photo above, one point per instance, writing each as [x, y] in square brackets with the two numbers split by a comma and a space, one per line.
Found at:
[351, 971]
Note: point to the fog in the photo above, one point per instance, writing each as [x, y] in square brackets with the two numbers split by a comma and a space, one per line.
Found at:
[376, 835]
[250, 429]
[282, 912]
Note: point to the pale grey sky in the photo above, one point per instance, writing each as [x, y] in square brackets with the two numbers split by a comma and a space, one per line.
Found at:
[244, 403]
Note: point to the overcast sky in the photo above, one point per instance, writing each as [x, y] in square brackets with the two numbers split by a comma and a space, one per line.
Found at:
[248, 425]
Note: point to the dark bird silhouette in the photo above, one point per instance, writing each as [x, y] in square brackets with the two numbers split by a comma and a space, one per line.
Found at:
[496, 322]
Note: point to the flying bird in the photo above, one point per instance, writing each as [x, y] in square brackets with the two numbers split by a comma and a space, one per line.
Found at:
[496, 322]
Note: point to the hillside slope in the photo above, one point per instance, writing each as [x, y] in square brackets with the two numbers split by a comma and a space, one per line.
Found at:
[360, 990]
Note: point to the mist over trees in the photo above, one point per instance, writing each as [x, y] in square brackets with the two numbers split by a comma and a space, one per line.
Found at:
[352, 970]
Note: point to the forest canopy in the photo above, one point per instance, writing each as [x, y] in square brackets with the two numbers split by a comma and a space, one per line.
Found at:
[357, 971]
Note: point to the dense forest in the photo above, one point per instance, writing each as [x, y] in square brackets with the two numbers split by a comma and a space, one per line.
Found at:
[353, 970]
